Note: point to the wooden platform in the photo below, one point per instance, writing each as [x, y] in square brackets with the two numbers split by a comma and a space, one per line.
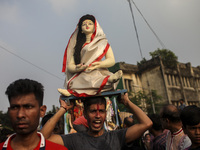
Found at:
[104, 94]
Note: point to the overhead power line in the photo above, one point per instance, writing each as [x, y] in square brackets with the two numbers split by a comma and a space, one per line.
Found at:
[30, 63]
[159, 40]
[135, 29]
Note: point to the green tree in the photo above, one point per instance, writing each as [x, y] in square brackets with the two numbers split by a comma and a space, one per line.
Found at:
[153, 99]
[53, 111]
[149, 99]
[169, 59]
[134, 97]
[4, 120]
[142, 62]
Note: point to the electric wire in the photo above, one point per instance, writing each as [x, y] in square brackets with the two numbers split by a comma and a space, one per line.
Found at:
[137, 36]
[159, 40]
[30, 63]
[149, 88]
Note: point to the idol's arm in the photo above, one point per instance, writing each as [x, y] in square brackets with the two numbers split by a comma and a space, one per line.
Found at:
[73, 68]
[108, 62]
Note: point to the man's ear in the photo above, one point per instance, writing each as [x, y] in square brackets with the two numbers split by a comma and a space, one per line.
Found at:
[43, 109]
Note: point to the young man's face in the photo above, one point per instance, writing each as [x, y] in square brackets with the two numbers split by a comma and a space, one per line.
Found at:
[25, 112]
[95, 116]
[193, 133]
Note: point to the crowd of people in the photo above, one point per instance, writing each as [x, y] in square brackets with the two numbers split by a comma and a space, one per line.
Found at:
[86, 76]
[172, 129]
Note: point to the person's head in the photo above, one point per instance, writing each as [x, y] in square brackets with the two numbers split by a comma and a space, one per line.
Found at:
[190, 117]
[81, 36]
[128, 122]
[157, 125]
[46, 118]
[82, 21]
[181, 101]
[26, 105]
[170, 116]
[95, 113]
[147, 137]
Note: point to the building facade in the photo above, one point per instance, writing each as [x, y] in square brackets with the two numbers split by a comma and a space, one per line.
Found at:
[171, 84]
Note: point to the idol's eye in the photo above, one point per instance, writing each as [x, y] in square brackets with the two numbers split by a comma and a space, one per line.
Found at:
[91, 23]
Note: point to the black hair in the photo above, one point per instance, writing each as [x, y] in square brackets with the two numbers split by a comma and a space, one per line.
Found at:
[81, 38]
[24, 87]
[156, 119]
[45, 119]
[171, 112]
[87, 102]
[190, 115]
[128, 122]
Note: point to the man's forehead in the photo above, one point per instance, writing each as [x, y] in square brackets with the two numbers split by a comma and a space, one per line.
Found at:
[97, 106]
[194, 126]
[28, 98]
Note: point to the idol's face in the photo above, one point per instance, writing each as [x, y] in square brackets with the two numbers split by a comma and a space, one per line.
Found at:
[95, 116]
[88, 26]
[24, 113]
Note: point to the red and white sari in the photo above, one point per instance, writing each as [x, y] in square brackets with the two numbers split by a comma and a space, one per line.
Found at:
[85, 83]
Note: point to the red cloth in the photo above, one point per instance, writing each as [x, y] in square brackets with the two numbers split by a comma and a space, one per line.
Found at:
[81, 120]
[48, 145]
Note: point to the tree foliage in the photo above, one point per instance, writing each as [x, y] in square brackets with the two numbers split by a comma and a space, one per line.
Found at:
[168, 57]
[142, 98]
[53, 111]
[142, 62]
[5, 126]
[4, 120]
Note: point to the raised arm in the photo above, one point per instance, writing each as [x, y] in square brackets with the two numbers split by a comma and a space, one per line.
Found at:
[51, 123]
[144, 124]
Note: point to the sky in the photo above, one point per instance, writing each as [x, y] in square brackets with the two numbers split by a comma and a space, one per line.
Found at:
[34, 35]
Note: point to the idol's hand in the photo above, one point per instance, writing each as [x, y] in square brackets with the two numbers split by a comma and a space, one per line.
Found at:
[94, 66]
[80, 67]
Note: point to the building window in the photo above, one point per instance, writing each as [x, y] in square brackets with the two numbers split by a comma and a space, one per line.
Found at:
[169, 79]
[193, 103]
[128, 84]
[197, 81]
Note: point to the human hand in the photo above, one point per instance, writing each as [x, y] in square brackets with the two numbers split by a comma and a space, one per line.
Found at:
[64, 105]
[123, 99]
[94, 66]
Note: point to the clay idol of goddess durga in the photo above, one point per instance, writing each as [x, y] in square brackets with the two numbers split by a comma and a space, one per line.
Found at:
[86, 59]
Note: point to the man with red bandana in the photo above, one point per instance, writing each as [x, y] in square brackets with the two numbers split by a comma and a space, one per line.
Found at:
[96, 137]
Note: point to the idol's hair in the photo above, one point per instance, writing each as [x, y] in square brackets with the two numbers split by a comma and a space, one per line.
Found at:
[81, 38]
